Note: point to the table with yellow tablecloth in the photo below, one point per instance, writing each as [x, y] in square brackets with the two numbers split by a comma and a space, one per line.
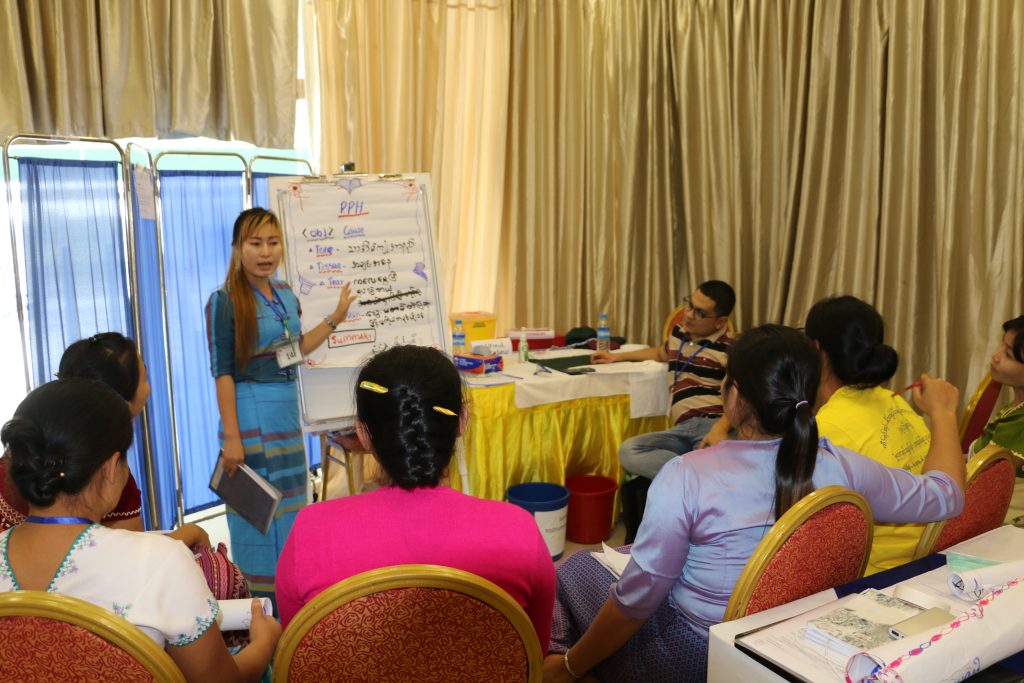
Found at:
[508, 444]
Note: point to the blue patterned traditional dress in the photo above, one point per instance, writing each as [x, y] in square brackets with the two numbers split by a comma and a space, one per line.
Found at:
[268, 418]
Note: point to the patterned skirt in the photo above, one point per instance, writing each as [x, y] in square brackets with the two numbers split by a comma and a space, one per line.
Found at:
[666, 648]
[268, 417]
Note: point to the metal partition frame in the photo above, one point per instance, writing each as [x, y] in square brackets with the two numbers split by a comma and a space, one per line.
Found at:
[252, 162]
[246, 201]
[131, 275]
[131, 267]
[154, 495]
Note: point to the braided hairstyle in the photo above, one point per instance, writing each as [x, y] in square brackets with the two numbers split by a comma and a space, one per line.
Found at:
[776, 370]
[61, 434]
[850, 332]
[411, 411]
[108, 357]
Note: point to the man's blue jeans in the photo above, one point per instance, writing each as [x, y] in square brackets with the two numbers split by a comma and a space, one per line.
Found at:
[646, 453]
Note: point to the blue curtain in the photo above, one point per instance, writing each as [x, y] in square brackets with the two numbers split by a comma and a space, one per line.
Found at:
[261, 190]
[198, 209]
[76, 279]
[158, 408]
[74, 256]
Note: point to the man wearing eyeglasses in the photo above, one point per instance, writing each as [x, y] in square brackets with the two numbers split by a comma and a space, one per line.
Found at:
[695, 352]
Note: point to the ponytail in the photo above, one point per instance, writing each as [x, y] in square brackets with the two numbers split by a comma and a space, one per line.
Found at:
[794, 463]
[777, 370]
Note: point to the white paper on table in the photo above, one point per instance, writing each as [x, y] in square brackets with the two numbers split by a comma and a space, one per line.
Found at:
[976, 583]
[236, 615]
[1004, 543]
[988, 632]
[611, 559]
[784, 643]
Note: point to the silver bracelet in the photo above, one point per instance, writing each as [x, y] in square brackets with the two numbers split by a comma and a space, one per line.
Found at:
[565, 660]
[330, 323]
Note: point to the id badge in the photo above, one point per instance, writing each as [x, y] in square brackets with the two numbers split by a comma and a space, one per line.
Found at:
[288, 354]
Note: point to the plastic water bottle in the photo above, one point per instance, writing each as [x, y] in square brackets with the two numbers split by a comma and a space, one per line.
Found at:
[458, 339]
[604, 334]
[524, 346]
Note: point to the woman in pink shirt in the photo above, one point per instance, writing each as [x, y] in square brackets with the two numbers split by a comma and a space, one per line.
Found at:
[409, 411]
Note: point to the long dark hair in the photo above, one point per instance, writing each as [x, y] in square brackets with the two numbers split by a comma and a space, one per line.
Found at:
[851, 332]
[410, 399]
[108, 357]
[776, 370]
[240, 294]
[61, 434]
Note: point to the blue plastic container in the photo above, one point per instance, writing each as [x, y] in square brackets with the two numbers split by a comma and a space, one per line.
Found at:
[548, 503]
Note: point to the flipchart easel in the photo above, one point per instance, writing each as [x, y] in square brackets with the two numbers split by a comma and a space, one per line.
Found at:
[374, 232]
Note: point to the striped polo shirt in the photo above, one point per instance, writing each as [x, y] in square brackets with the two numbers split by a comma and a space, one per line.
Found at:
[696, 368]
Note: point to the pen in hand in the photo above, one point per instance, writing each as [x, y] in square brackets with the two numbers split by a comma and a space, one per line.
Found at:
[912, 385]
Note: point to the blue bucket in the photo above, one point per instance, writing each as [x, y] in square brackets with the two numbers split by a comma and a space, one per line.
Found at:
[548, 503]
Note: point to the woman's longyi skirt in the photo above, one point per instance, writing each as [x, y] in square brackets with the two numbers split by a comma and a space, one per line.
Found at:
[268, 417]
[665, 649]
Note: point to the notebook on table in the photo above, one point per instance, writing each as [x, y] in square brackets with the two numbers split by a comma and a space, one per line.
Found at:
[247, 493]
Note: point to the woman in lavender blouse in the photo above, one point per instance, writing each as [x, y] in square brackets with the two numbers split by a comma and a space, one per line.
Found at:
[707, 511]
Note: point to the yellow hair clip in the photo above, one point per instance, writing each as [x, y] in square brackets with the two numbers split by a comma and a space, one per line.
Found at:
[444, 411]
[373, 386]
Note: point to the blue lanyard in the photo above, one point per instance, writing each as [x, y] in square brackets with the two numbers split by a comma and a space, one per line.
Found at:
[679, 352]
[36, 519]
[281, 315]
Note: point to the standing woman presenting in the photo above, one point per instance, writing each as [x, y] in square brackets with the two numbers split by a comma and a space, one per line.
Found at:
[255, 340]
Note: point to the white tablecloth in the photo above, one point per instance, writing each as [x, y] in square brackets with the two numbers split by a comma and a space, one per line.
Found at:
[645, 382]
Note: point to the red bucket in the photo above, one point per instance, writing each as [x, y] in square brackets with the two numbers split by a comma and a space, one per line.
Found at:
[591, 500]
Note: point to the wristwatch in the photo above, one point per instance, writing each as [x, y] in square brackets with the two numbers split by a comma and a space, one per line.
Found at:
[330, 323]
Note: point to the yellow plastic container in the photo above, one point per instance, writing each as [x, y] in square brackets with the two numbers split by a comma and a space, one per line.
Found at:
[476, 324]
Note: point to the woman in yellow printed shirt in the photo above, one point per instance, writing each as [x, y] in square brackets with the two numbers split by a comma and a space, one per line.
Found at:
[856, 412]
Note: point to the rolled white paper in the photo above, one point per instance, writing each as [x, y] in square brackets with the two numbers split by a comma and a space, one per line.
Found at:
[988, 632]
[236, 615]
[976, 583]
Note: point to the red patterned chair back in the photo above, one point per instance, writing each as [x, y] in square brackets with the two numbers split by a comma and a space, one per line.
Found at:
[50, 637]
[822, 541]
[410, 623]
[987, 493]
[979, 410]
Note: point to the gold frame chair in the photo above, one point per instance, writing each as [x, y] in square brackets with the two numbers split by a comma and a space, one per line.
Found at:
[103, 623]
[988, 457]
[781, 531]
[972, 406]
[408, 576]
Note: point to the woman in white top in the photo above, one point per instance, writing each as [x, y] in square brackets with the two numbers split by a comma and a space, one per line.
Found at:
[67, 442]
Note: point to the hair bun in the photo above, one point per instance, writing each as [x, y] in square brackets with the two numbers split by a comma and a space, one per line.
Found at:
[878, 365]
[35, 471]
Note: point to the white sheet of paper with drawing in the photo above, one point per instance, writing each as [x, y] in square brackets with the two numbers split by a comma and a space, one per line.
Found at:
[370, 235]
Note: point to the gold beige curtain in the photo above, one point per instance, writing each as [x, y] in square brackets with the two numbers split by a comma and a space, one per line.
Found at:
[422, 86]
[110, 68]
[796, 149]
[863, 148]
